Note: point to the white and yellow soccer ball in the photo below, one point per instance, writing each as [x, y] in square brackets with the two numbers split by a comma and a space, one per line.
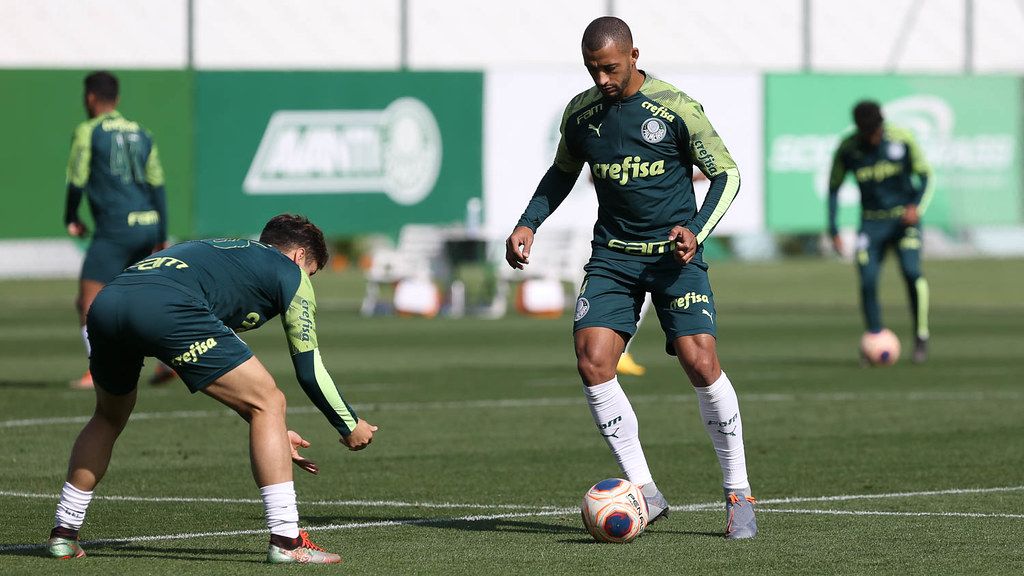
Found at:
[614, 510]
[881, 348]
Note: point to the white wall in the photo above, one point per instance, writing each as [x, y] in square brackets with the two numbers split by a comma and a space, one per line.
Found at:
[303, 34]
[698, 35]
[93, 33]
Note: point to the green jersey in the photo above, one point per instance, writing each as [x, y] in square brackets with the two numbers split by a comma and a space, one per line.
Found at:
[245, 283]
[641, 151]
[884, 174]
[115, 163]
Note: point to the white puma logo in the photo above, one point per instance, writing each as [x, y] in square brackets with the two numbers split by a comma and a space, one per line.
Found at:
[705, 311]
[596, 128]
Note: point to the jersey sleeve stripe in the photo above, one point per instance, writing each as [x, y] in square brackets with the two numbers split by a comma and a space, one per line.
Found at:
[330, 391]
[732, 187]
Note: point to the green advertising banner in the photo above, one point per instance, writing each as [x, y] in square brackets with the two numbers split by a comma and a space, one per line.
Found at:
[356, 152]
[42, 109]
[968, 127]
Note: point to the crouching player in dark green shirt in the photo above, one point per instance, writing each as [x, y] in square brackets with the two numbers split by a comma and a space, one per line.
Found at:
[894, 193]
[185, 306]
[642, 137]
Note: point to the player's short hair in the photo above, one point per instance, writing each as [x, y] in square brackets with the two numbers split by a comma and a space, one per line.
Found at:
[288, 231]
[867, 115]
[103, 85]
[605, 29]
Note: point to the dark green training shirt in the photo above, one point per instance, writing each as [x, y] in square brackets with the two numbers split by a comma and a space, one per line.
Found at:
[884, 175]
[641, 151]
[115, 163]
[245, 283]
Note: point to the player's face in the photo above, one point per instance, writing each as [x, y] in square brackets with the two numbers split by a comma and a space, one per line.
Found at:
[612, 68]
[872, 139]
[90, 105]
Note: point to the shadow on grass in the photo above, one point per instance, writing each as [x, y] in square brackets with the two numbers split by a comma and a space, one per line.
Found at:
[32, 384]
[124, 550]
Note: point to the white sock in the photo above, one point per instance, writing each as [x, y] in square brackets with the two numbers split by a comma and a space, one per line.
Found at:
[282, 513]
[71, 508]
[617, 422]
[720, 410]
[85, 338]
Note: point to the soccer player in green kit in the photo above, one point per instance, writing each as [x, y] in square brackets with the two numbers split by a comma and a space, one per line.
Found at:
[885, 160]
[115, 164]
[185, 306]
[641, 137]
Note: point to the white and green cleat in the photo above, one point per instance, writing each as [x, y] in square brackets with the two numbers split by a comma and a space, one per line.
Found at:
[305, 553]
[64, 548]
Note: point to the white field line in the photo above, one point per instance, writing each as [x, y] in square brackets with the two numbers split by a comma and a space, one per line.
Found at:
[848, 497]
[890, 513]
[556, 402]
[539, 511]
[364, 503]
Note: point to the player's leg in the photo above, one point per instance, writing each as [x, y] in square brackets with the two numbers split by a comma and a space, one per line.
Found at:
[627, 364]
[909, 250]
[720, 413]
[87, 291]
[606, 314]
[686, 309]
[116, 367]
[871, 243]
[249, 390]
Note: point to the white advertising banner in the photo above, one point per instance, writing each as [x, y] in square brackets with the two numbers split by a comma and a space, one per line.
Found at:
[522, 111]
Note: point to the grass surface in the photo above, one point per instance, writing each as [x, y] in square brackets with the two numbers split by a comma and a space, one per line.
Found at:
[486, 444]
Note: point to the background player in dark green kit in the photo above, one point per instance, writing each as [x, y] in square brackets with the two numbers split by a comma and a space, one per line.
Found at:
[114, 163]
[642, 137]
[894, 193]
[185, 306]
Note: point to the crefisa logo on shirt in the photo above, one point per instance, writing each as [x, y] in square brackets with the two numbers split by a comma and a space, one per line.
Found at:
[653, 130]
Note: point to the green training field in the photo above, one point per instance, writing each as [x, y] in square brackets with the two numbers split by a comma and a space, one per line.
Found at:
[486, 444]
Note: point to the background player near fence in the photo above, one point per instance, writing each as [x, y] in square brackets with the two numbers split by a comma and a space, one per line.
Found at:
[642, 137]
[895, 191]
[185, 305]
[115, 164]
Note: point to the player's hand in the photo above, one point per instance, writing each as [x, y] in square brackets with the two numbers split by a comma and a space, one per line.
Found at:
[77, 229]
[910, 215]
[517, 247]
[298, 442]
[837, 244]
[685, 247]
[360, 437]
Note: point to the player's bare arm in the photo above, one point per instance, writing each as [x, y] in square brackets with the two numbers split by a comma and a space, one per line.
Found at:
[517, 247]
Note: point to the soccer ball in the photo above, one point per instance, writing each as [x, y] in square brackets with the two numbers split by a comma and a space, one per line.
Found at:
[614, 510]
[880, 349]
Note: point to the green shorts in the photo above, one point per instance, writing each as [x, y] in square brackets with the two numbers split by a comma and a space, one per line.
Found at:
[614, 290]
[108, 257]
[128, 322]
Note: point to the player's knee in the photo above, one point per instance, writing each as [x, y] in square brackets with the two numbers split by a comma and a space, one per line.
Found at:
[269, 401]
[701, 365]
[594, 368]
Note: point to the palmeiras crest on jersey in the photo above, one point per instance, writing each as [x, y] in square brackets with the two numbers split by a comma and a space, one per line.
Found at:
[582, 307]
[896, 150]
[653, 130]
